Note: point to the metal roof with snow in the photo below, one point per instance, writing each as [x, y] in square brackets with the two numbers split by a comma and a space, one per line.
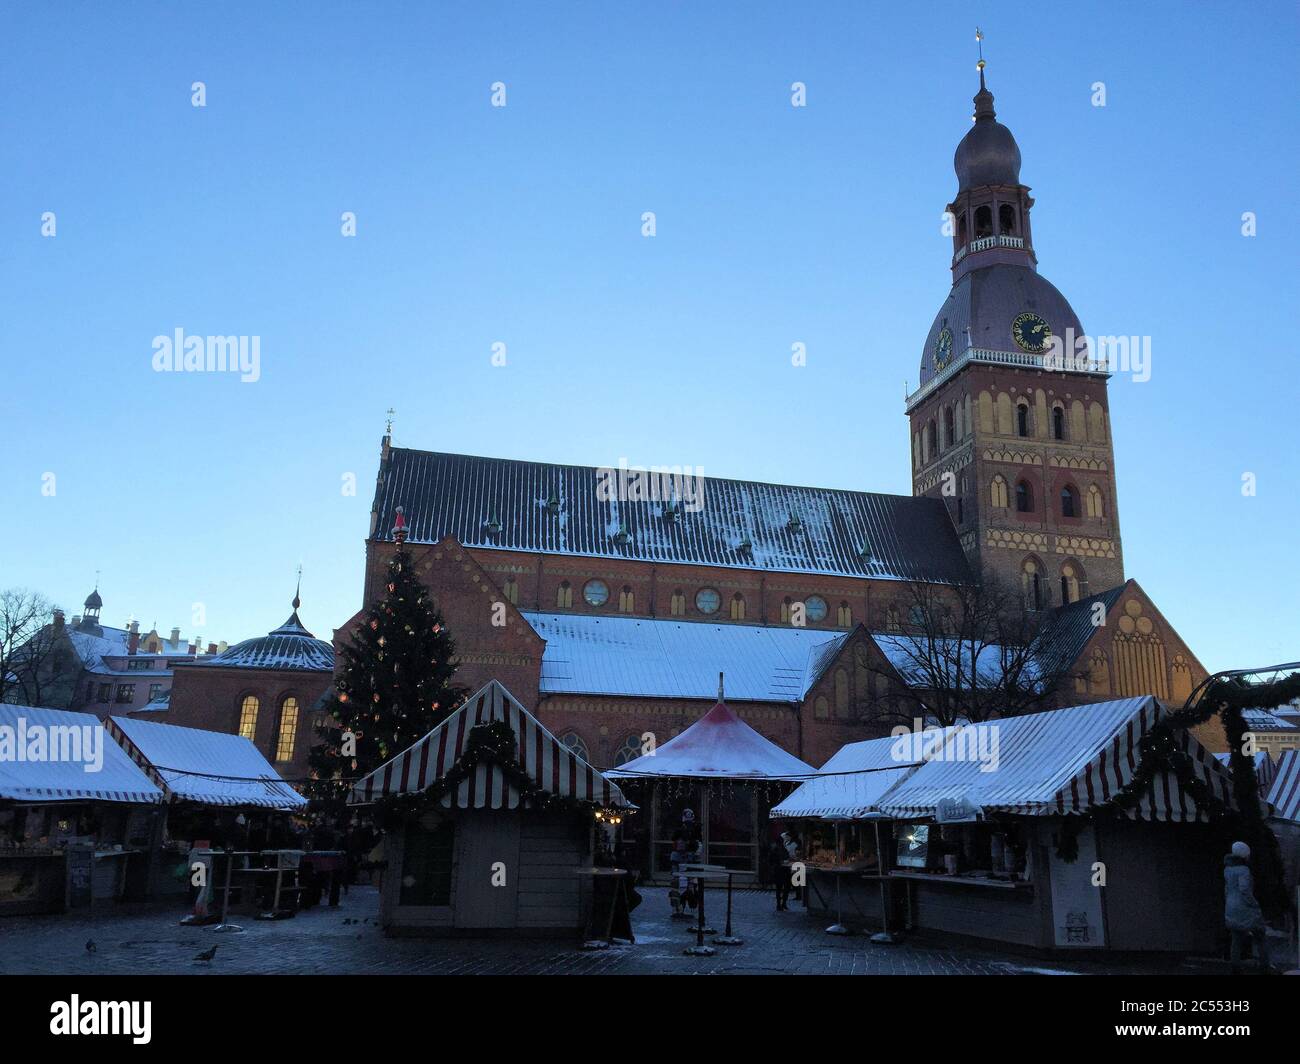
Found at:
[65, 779]
[851, 784]
[1055, 763]
[211, 768]
[290, 646]
[560, 509]
[717, 746]
[639, 657]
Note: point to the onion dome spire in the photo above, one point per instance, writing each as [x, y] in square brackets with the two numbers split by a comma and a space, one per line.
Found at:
[988, 154]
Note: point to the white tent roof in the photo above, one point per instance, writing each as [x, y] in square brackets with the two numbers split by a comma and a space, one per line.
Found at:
[850, 784]
[1284, 793]
[213, 768]
[717, 746]
[66, 779]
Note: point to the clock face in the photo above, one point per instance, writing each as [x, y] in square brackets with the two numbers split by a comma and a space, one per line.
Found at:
[943, 349]
[1031, 333]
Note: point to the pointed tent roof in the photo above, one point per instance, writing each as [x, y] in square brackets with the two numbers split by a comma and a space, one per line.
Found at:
[551, 764]
[717, 746]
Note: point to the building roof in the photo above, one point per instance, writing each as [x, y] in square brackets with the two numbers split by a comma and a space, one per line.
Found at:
[290, 646]
[1055, 763]
[988, 153]
[717, 746]
[851, 784]
[1267, 720]
[551, 765]
[1067, 629]
[1265, 769]
[467, 497]
[638, 657]
[71, 777]
[211, 768]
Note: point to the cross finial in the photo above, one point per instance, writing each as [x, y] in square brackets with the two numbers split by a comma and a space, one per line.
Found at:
[388, 428]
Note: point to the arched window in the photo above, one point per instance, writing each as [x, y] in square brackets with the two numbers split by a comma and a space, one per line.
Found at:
[248, 717]
[626, 600]
[575, 744]
[949, 435]
[1031, 580]
[737, 607]
[677, 604]
[845, 617]
[983, 222]
[1069, 501]
[629, 751]
[998, 492]
[564, 596]
[1024, 497]
[1096, 508]
[893, 623]
[1069, 584]
[930, 448]
[786, 605]
[284, 742]
[512, 590]
[1022, 419]
[1006, 219]
[1058, 422]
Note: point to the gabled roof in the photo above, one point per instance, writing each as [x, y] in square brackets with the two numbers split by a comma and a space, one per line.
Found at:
[717, 746]
[464, 496]
[211, 768]
[1067, 629]
[551, 764]
[72, 776]
[641, 657]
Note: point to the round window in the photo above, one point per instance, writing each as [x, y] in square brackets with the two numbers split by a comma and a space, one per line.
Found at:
[815, 608]
[595, 592]
[707, 600]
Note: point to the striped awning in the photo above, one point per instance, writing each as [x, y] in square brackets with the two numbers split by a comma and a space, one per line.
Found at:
[1284, 794]
[550, 764]
[1056, 764]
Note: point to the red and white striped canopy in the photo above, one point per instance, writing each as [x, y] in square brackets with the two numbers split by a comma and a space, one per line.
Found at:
[1284, 792]
[1059, 763]
[551, 764]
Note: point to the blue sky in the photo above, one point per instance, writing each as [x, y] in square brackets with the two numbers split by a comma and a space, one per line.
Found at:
[522, 225]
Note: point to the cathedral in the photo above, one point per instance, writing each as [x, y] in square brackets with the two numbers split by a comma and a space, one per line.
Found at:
[612, 616]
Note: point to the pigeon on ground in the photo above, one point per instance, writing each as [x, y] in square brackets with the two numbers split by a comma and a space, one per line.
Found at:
[207, 954]
[90, 945]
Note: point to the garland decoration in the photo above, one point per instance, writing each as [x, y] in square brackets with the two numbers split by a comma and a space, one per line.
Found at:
[1160, 750]
[495, 744]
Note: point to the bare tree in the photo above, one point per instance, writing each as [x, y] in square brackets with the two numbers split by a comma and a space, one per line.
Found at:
[40, 664]
[969, 653]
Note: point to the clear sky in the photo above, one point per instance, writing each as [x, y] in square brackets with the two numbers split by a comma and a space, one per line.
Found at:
[522, 225]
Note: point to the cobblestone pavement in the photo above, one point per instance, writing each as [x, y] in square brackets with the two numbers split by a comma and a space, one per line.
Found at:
[348, 940]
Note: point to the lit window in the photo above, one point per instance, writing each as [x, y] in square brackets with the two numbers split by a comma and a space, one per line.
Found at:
[815, 608]
[564, 596]
[737, 607]
[626, 600]
[677, 605]
[707, 600]
[845, 616]
[248, 716]
[595, 593]
[288, 729]
[785, 611]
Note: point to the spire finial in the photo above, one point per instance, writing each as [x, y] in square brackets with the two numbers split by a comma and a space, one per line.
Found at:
[983, 98]
[296, 601]
[720, 688]
[388, 425]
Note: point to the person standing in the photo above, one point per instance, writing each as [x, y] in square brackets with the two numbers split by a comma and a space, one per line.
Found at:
[1241, 912]
[778, 859]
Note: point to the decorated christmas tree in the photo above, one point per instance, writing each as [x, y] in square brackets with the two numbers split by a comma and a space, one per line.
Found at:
[395, 684]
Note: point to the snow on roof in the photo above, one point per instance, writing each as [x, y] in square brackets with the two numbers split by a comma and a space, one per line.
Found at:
[1063, 761]
[212, 768]
[718, 745]
[850, 784]
[661, 658]
[1267, 720]
[506, 504]
[290, 646]
[66, 779]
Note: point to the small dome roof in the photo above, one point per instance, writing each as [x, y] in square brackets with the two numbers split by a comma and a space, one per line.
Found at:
[93, 601]
[290, 646]
[988, 301]
[988, 153]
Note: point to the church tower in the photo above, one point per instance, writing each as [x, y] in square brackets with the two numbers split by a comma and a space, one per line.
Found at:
[1009, 426]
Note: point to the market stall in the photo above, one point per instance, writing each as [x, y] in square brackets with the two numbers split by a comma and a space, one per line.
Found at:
[491, 825]
[713, 784]
[222, 794]
[76, 815]
[1051, 831]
